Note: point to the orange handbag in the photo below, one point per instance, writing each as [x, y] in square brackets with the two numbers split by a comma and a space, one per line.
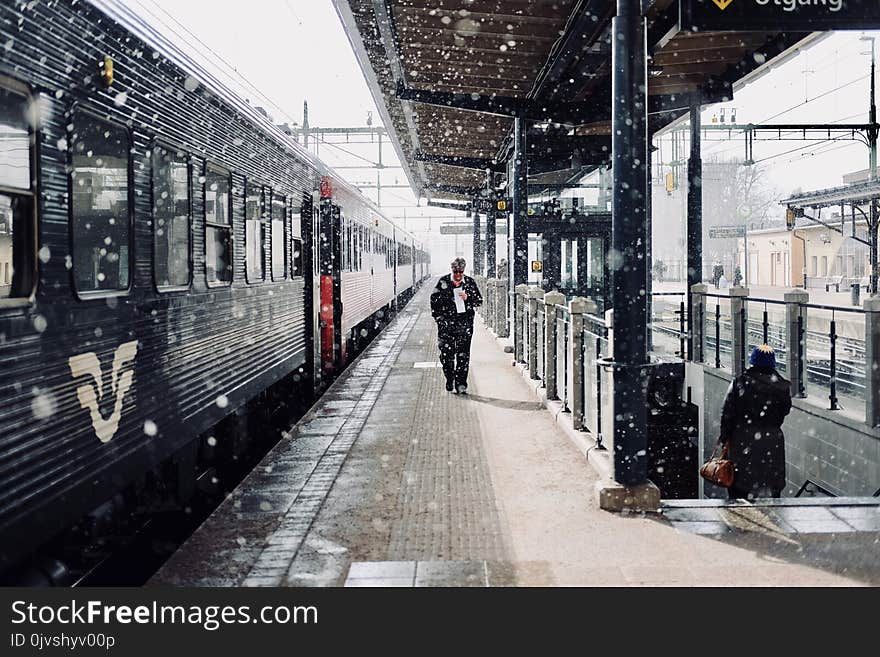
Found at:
[718, 470]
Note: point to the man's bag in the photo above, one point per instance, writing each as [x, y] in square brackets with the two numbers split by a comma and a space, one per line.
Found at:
[718, 470]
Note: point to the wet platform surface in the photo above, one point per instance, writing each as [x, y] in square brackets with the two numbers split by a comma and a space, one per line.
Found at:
[392, 481]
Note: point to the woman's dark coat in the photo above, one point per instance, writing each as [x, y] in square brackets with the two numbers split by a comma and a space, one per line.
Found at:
[751, 425]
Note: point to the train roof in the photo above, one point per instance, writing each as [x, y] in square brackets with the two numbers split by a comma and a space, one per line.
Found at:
[176, 53]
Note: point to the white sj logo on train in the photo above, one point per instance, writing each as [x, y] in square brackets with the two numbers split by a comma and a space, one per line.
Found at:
[121, 378]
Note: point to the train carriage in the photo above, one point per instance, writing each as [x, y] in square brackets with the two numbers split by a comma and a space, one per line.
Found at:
[165, 248]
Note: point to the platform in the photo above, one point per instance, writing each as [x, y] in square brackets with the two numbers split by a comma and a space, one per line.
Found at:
[390, 480]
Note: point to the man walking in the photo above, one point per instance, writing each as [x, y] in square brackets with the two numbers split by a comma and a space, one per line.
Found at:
[452, 305]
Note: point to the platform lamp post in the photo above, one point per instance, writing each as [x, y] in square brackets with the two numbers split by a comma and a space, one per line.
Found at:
[872, 165]
[872, 116]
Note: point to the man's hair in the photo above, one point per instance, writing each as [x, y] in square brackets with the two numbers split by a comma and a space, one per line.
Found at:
[458, 263]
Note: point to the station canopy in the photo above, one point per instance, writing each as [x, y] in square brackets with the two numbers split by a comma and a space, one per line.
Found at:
[450, 75]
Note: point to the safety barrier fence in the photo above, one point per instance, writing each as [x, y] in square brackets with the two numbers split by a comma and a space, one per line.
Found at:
[822, 350]
[668, 326]
[564, 344]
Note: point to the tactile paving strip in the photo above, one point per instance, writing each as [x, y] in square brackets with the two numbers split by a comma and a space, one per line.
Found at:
[373, 367]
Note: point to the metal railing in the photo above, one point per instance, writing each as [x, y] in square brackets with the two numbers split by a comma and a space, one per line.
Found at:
[761, 329]
[833, 361]
[719, 331]
[594, 348]
[563, 321]
[540, 343]
[669, 331]
[821, 349]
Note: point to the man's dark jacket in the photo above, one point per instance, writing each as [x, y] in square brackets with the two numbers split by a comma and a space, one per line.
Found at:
[751, 422]
[443, 301]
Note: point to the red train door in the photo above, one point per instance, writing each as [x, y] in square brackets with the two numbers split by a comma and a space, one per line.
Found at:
[329, 297]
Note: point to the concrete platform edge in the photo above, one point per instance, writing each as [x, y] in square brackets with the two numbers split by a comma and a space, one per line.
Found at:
[599, 459]
[612, 495]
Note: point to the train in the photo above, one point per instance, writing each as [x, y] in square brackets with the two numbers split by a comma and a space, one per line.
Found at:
[167, 255]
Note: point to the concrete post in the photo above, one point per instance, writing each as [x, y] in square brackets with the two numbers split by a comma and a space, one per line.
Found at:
[739, 319]
[795, 343]
[697, 323]
[490, 304]
[521, 292]
[492, 312]
[502, 330]
[872, 361]
[536, 296]
[552, 300]
[577, 307]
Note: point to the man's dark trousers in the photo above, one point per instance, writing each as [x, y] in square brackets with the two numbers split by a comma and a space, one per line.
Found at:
[454, 341]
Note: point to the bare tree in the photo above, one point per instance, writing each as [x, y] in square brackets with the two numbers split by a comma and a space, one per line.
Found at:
[734, 195]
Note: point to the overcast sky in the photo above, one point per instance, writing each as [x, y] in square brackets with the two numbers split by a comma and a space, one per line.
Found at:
[826, 83]
[291, 50]
[295, 50]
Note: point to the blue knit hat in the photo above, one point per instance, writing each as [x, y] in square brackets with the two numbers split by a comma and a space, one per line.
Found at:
[763, 356]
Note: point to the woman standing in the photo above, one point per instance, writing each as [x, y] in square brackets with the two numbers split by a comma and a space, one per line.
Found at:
[751, 427]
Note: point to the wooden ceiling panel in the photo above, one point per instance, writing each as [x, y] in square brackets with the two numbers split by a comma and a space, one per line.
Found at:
[498, 49]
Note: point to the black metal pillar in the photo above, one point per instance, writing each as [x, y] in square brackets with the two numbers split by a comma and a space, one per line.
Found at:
[628, 238]
[873, 221]
[490, 244]
[649, 208]
[552, 267]
[517, 233]
[694, 219]
[477, 266]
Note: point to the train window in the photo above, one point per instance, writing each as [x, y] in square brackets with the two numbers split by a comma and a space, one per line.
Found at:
[255, 233]
[297, 257]
[355, 248]
[171, 218]
[296, 250]
[101, 210]
[279, 237]
[17, 205]
[218, 226]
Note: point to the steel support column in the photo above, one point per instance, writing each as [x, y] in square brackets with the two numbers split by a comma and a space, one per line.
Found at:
[649, 205]
[874, 219]
[477, 265]
[552, 269]
[490, 244]
[628, 239]
[694, 216]
[517, 230]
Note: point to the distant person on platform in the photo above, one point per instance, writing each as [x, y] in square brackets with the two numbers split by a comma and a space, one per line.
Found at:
[723, 283]
[737, 276]
[751, 427]
[452, 305]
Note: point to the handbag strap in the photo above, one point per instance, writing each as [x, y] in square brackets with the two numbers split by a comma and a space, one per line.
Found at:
[723, 449]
